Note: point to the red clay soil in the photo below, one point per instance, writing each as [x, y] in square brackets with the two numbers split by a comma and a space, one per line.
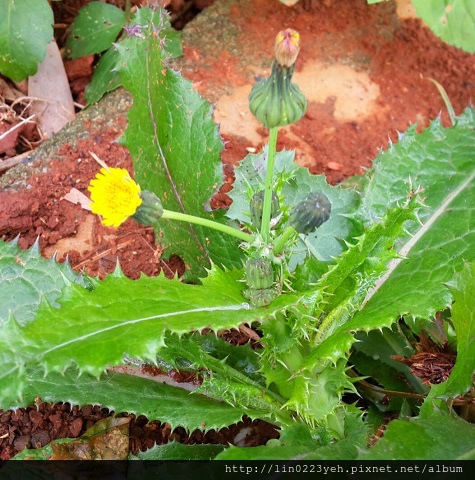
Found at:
[398, 55]
[396, 64]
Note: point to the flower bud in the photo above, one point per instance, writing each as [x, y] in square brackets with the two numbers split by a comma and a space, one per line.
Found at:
[259, 273]
[257, 207]
[276, 101]
[150, 210]
[287, 47]
[310, 213]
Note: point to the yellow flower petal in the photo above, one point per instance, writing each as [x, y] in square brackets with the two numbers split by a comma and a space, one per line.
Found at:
[115, 196]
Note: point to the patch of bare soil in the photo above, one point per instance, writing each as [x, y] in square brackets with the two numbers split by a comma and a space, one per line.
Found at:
[365, 73]
[37, 425]
[363, 69]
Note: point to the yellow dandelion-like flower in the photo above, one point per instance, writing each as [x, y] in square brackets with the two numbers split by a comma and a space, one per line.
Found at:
[115, 196]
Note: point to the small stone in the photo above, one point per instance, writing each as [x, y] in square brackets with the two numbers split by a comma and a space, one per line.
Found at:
[36, 417]
[75, 427]
[334, 166]
[21, 442]
[40, 439]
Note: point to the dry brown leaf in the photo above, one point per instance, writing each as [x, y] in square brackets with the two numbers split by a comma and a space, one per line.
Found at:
[54, 107]
[108, 439]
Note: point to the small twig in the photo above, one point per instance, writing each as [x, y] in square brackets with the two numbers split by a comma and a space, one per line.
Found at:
[11, 162]
[92, 257]
[416, 396]
[99, 161]
[29, 100]
[18, 125]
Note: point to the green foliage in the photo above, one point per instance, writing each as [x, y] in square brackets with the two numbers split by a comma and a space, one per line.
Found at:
[118, 392]
[462, 288]
[440, 161]
[94, 29]
[451, 20]
[106, 74]
[178, 451]
[27, 280]
[399, 244]
[138, 328]
[171, 133]
[294, 183]
[425, 439]
[27, 27]
[25, 30]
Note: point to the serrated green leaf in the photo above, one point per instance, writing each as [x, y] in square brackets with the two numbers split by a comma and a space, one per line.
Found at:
[106, 75]
[178, 451]
[25, 30]
[299, 441]
[94, 29]
[451, 20]
[94, 329]
[27, 279]
[12, 368]
[425, 439]
[176, 148]
[209, 352]
[296, 440]
[132, 394]
[347, 283]
[440, 161]
[462, 288]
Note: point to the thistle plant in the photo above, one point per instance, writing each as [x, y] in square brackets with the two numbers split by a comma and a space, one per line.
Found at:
[334, 280]
[276, 102]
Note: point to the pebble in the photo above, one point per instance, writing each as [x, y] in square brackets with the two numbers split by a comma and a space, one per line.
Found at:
[334, 166]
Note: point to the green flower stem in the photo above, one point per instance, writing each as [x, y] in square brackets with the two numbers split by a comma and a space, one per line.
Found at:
[183, 217]
[267, 208]
[127, 12]
[281, 242]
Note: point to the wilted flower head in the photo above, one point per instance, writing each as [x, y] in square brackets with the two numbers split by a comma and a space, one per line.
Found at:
[287, 47]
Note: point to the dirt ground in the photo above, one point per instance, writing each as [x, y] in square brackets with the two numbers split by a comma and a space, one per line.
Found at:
[364, 71]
